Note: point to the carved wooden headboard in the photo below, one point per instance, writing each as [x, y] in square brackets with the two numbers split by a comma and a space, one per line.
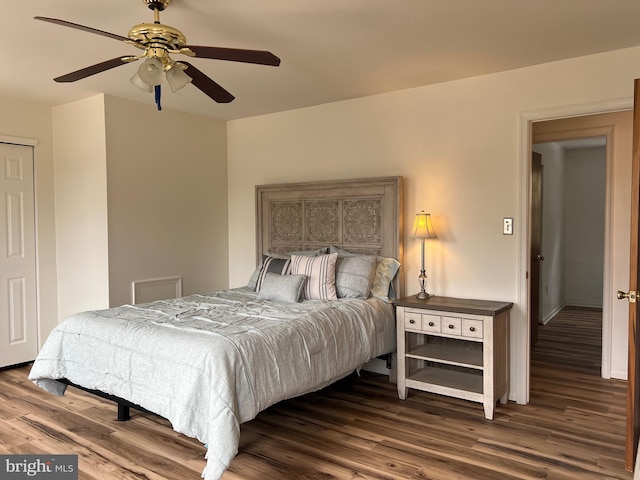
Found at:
[361, 216]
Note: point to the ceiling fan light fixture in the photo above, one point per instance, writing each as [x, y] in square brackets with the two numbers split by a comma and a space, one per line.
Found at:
[159, 42]
[138, 82]
[150, 72]
[177, 78]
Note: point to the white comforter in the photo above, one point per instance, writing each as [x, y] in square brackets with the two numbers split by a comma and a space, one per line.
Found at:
[209, 363]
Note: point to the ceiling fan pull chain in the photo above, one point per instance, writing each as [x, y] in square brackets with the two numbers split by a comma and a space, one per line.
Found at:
[157, 88]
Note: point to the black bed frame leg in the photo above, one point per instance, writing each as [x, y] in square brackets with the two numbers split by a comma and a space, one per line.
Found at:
[124, 413]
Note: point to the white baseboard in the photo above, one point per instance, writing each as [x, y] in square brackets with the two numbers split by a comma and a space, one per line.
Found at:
[552, 314]
[619, 374]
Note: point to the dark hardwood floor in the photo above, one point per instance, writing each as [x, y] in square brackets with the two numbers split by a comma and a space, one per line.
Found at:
[573, 427]
[572, 340]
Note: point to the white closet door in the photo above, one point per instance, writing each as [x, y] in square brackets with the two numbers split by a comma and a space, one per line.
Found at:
[18, 312]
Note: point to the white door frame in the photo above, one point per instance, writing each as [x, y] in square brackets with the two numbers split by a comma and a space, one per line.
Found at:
[26, 142]
[522, 335]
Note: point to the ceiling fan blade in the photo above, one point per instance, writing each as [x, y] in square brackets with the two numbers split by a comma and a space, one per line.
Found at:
[92, 70]
[77, 26]
[208, 86]
[260, 57]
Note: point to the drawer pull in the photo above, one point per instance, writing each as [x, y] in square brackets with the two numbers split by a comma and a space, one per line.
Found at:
[431, 324]
[412, 321]
[472, 329]
[451, 326]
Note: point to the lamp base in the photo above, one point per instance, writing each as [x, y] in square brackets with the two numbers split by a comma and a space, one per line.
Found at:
[423, 295]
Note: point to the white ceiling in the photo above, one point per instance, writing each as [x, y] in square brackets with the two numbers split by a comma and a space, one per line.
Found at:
[330, 49]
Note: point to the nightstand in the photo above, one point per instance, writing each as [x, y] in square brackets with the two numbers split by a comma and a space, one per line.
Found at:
[455, 347]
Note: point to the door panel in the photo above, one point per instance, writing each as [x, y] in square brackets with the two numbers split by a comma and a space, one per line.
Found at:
[18, 321]
[536, 241]
[633, 413]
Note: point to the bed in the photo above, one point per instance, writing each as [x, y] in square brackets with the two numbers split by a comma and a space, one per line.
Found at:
[306, 319]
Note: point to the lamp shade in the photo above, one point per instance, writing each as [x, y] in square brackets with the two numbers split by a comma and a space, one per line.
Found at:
[150, 72]
[422, 227]
[177, 78]
[137, 81]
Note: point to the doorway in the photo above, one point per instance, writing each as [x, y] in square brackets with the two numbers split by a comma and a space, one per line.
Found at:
[610, 131]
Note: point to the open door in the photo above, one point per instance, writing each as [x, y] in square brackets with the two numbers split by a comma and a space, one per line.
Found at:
[536, 245]
[633, 409]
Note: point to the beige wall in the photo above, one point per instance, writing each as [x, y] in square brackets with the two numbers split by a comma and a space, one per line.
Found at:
[585, 189]
[81, 206]
[127, 204]
[457, 144]
[21, 118]
[140, 195]
[167, 198]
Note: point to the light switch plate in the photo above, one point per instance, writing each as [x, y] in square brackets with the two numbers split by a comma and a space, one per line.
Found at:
[507, 226]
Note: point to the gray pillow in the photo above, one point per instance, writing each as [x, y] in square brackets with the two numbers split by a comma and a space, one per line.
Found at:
[282, 288]
[386, 270]
[354, 276]
[341, 252]
[253, 280]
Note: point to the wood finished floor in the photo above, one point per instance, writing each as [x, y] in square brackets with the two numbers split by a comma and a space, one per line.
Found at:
[572, 429]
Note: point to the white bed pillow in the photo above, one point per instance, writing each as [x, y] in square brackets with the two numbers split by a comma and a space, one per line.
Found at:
[282, 288]
[386, 270]
[321, 275]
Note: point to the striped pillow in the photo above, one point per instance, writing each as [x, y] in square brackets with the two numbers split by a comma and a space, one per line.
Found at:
[273, 265]
[321, 273]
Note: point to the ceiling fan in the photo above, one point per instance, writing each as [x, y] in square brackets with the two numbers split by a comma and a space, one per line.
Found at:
[159, 42]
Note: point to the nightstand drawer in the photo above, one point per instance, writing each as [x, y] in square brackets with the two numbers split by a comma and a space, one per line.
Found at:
[413, 321]
[451, 326]
[431, 323]
[472, 328]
